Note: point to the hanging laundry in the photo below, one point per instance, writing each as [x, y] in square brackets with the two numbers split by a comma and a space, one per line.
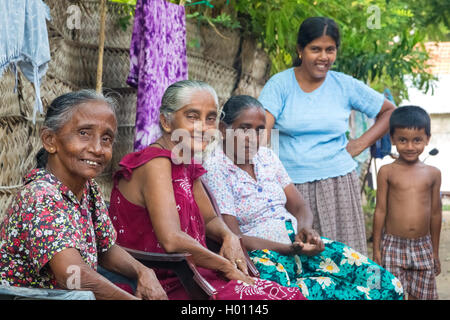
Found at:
[24, 41]
[382, 147]
[359, 123]
[157, 59]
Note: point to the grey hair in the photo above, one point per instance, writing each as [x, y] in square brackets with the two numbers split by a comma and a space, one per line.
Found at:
[179, 94]
[61, 110]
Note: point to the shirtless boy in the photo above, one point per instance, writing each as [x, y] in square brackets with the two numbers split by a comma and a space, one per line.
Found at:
[408, 213]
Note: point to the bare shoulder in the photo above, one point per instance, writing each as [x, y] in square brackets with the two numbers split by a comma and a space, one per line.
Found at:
[434, 172]
[158, 163]
[155, 170]
[385, 170]
[386, 167]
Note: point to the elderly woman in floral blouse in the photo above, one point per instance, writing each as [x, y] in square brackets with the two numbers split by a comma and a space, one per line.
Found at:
[259, 202]
[58, 228]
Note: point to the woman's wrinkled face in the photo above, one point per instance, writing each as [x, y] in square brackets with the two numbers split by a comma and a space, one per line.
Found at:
[247, 131]
[192, 126]
[83, 147]
[318, 56]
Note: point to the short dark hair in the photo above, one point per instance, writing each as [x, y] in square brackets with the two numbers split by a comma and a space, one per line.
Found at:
[313, 28]
[233, 108]
[410, 117]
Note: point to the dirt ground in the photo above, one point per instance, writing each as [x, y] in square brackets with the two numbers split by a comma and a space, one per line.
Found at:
[443, 280]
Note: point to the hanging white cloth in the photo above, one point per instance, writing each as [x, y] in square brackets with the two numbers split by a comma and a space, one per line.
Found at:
[24, 41]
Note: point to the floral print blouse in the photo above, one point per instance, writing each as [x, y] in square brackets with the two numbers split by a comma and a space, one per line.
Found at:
[45, 219]
[259, 206]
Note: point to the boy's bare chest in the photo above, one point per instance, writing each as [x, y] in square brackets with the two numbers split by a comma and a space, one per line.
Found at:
[410, 180]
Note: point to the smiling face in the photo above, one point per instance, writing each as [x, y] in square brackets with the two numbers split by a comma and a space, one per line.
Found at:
[410, 143]
[318, 57]
[192, 124]
[82, 148]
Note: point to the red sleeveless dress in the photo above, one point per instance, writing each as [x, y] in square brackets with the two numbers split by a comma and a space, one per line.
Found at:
[135, 231]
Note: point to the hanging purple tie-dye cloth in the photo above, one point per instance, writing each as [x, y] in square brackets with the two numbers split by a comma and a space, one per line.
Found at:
[157, 59]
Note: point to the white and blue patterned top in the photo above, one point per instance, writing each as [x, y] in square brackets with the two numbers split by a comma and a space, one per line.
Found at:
[312, 125]
[259, 206]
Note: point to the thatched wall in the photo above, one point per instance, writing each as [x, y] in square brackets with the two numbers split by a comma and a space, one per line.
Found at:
[228, 62]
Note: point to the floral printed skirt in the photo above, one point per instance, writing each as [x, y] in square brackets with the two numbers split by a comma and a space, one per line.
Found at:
[337, 273]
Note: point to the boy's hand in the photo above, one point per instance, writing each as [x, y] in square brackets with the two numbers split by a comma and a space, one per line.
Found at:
[437, 266]
[377, 257]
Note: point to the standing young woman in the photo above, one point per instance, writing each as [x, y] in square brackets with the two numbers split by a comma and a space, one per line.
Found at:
[310, 106]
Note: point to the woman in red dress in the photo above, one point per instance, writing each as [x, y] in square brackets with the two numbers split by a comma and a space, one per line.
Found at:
[158, 203]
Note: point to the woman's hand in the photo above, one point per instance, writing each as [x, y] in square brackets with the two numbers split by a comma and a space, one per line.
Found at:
[148, 286]
[308, 249]
[231, 249]
[308, 235]
[231, 272]
[308, 242]
[375, 132]
[354, 147]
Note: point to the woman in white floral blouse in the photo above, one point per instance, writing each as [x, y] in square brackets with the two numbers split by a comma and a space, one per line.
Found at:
[259, 202]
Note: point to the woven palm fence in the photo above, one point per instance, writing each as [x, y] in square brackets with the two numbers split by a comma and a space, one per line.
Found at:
[213, 57]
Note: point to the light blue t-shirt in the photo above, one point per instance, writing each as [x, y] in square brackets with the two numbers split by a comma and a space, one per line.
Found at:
[312, 125]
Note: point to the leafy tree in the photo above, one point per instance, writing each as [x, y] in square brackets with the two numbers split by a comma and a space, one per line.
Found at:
[433, 16]
[382, 40]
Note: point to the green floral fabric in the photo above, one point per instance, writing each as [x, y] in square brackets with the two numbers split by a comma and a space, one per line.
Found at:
[337, 273]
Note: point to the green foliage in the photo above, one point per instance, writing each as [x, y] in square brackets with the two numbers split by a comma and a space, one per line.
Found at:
[128, 2]
[433, 17]
[367, 53]
[371, 196]
[128, 8]
[223, 19]
[369, 209]
[382, 56]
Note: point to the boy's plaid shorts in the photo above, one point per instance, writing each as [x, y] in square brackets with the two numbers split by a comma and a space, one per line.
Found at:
[411, 261]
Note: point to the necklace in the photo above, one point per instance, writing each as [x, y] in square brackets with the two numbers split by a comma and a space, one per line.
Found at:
[159, 144]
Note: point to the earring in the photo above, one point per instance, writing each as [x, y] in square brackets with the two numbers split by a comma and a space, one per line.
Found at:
[51, 149]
